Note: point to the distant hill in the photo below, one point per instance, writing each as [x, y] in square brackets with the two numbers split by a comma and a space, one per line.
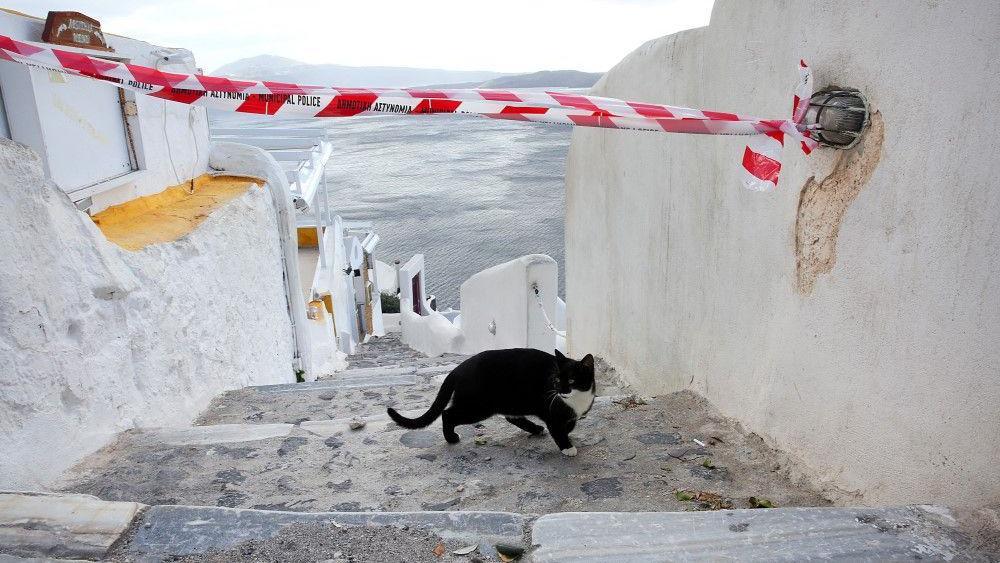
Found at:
[281, 69]
[540, 79]
[546, 79]
[255, 67]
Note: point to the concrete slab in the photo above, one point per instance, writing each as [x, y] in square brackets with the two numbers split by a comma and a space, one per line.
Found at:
[783, 534]
[13, 559]
[434, 370]
[387, 371]
[61, 525]
[340, 384]
[408, 383]
[251, 406]
[217, 434]
[337, 426]
[370, 372]
[633, 455]
[388, 351]
[446, 359]
[172, 531]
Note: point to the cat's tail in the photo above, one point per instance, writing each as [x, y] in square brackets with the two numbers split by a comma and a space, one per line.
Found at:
[440, 402]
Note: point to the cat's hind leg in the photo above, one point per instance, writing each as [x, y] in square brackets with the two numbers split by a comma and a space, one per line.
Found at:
[452, 417]
[526, 425]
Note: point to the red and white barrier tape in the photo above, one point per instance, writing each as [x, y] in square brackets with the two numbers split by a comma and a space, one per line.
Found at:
[761, 159]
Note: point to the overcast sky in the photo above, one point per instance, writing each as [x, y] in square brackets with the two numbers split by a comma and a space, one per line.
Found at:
[501, 35]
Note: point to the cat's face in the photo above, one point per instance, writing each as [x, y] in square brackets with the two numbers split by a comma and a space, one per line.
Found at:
[575, 375]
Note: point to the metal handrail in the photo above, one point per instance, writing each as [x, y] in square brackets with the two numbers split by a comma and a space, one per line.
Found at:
[311, 150]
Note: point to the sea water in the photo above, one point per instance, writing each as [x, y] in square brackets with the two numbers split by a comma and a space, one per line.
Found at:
[467, 192]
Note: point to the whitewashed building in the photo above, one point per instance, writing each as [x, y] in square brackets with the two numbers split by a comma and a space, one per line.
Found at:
[150, 263]
[99, 144]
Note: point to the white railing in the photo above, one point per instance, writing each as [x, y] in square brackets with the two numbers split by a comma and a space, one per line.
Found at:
[344, 247]
[302, 154]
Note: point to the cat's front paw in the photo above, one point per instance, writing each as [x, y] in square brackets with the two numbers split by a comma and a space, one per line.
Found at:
[570, 451]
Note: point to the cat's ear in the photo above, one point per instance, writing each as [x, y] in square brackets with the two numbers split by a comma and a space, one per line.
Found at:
[588, 361]
[560, 355]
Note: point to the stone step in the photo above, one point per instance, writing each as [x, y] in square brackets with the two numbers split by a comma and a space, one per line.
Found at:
[321, 400]
[4, 558]
[389, 351]
[784, 534]
[632, 455]
[214, 434]
[165, 532]
[417, 369]
[60, 525]
[371, 381]
[339, 426]
[41, 526]
[358, 392]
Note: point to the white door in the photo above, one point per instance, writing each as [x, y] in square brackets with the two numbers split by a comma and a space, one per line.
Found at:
[83, 129]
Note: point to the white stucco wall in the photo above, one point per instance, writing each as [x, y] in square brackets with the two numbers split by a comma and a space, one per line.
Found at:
[884, 375]
[341, 286]
[388, 281]
[500, 297]
[95, 340]
[404, 280]
[503, 296]
[430, 333]
[246, 160]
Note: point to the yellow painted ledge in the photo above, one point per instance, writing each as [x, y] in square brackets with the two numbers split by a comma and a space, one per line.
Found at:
[172, 213]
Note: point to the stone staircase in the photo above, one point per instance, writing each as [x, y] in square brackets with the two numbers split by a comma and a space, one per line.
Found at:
[388, 351]
[316, 471]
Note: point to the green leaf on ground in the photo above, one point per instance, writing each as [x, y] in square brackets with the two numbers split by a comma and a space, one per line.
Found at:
[760, 503]
[708, 464]
[683, 495]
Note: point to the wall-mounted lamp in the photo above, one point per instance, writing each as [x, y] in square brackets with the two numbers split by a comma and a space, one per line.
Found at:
[313, 312]
[841, 116]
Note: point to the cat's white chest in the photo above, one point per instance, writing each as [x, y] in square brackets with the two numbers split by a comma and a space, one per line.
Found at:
[579, 401]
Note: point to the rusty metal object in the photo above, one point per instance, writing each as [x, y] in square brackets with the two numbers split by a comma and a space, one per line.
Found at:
[75, 30]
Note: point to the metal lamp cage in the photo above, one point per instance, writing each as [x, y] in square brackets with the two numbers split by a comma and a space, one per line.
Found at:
[840, 115]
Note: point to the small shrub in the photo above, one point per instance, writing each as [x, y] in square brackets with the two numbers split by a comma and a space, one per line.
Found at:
[390, 302]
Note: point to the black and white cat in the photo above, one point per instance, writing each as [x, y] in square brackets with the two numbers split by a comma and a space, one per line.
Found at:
[518, 383]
